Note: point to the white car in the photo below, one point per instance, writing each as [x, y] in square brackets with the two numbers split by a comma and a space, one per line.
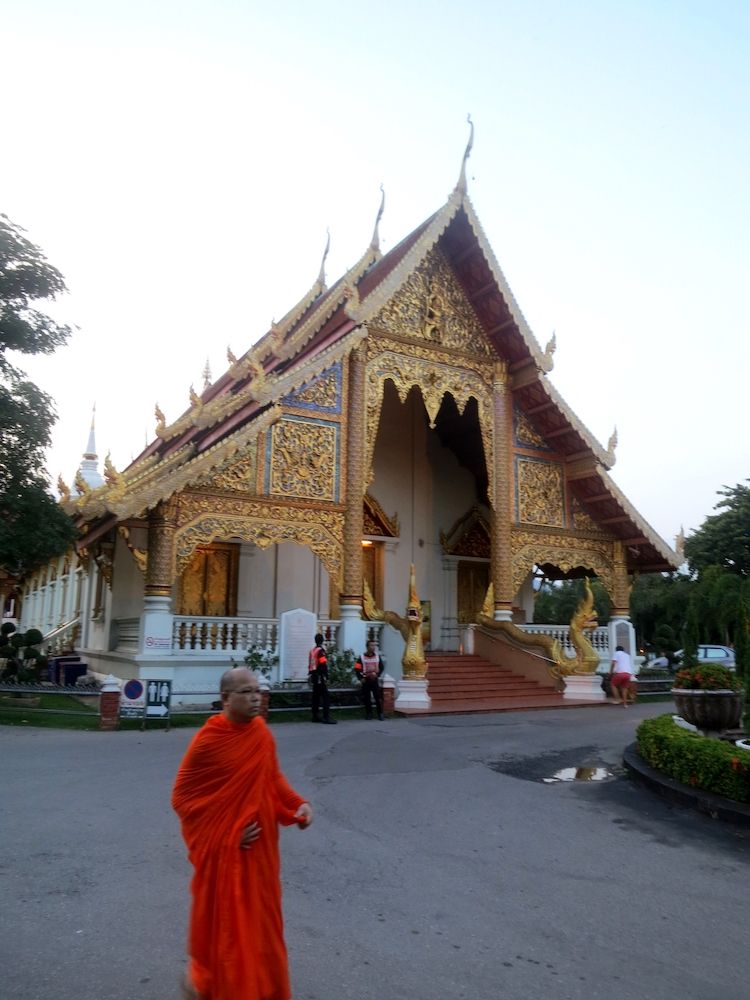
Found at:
[721, 655]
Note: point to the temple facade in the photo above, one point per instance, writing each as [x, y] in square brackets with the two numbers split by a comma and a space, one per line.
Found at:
[403, 415]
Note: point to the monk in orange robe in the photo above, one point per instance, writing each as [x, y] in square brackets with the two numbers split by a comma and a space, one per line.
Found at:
[230, 796]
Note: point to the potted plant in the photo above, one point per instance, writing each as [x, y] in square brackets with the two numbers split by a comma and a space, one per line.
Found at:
[708, 696]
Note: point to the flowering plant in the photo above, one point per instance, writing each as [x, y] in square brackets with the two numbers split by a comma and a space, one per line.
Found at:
[706, 677]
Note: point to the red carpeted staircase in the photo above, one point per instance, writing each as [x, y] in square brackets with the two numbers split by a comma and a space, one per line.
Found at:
[467, 683]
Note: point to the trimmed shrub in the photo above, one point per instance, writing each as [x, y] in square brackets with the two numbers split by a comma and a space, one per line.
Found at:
[695, 760]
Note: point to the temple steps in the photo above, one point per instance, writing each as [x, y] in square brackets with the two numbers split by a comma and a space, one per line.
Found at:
[467, 684]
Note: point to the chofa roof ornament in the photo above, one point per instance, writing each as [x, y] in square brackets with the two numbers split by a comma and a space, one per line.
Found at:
[461, 186]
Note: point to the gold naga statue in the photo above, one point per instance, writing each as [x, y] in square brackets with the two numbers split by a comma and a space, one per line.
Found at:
[410, 627]
[586, 659]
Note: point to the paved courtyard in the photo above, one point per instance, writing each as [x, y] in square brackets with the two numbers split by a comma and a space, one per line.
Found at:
[440, 866]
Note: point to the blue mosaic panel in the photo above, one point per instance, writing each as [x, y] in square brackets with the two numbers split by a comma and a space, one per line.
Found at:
[322, 394]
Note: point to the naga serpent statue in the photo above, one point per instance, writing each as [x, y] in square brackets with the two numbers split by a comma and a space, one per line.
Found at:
[586, 659]
[410, 627]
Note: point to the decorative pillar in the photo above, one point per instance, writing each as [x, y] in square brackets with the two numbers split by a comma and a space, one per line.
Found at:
[352, 635]
[502, 559]
[156, 620]
[621, 631]
[449, 632]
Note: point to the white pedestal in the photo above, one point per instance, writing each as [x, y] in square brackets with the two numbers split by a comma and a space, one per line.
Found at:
[584, 687]
[352, 631]
[156, 627]
[413, 695]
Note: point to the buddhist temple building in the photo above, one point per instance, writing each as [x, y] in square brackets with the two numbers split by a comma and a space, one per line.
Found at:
[402, 415]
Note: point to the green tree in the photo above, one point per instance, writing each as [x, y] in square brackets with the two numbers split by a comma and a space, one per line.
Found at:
[33, 527]
[724, 538]
[557, 601]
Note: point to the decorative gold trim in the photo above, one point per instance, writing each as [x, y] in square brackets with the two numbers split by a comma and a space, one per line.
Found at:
[379, 518]
[434, 380]
[140, 556]
[564, 550]
[204, 519]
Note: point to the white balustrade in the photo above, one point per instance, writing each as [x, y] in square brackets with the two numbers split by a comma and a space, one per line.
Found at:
[202, 636]
[598, 637]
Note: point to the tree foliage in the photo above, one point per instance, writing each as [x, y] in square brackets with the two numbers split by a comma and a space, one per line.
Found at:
[33, 527]
[724, 538]
[556, 602]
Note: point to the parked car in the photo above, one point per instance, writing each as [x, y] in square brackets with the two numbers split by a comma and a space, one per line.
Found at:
[721, 655]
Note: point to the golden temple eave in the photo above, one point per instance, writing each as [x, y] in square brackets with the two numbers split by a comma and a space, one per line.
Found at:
[604, 457]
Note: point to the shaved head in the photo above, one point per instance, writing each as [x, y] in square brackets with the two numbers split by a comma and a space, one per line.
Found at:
[230, 679]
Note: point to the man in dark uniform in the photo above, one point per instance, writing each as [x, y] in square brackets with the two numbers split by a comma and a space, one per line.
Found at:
[369, 667]
[318, 676]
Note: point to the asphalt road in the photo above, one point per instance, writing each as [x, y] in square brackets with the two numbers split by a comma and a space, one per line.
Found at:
[440, 866]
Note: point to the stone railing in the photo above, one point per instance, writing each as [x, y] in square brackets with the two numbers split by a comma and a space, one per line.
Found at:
[62, 639]
[206, 636]
[598, 637]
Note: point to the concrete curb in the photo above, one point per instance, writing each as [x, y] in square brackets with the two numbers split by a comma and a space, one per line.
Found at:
[674, 791]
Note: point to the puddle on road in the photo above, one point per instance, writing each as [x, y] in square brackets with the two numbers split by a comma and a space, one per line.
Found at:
[579, 774]
[575, 764]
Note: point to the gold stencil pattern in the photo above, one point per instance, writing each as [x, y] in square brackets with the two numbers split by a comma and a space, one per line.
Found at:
[303, 460]
[540, 493]
[432, 306]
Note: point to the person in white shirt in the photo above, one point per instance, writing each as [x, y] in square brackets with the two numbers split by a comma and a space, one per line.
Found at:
[621, 676]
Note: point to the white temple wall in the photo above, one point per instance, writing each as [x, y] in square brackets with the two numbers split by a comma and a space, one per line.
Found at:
[423, 482]
[128, 584]
[281, 578]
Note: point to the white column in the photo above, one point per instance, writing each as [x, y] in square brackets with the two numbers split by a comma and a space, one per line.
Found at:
[449, 631]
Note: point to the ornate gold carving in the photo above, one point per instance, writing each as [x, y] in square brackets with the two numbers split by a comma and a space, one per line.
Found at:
[434, 380]
[410, 627]
[526, 435]
[566, 551]
[240, 475]
[64, 490]
[355, 487]
[205, 519]
[303, 460]
[469, 536]
[586, 659]
[582, 520]
[540, 493]
[377, 522]
[139, 555]
[323, 392]
[431, 305]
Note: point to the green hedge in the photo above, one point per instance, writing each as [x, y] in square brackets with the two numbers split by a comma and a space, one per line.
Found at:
[710, 764]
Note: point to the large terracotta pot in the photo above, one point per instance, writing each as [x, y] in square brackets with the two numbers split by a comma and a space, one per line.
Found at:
[715, 710]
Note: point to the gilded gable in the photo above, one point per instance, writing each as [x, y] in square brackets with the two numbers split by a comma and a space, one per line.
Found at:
[322, 393]
[239, 476]
[539, 492]
[432, 306]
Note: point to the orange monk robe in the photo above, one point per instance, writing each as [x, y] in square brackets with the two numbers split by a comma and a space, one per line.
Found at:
[229, 778]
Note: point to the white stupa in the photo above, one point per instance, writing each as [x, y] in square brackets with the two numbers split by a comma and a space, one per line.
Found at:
[89, 467]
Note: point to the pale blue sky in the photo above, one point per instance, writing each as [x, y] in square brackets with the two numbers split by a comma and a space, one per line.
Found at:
[180, 164]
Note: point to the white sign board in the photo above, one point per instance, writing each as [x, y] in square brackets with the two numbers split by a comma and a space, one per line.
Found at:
[296, 639]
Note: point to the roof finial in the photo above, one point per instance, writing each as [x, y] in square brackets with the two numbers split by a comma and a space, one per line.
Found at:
[322, 275]
[375, 241]
[461, 186]
[206, 375]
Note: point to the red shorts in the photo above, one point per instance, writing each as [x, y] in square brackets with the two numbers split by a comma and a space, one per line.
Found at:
[621, 679]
